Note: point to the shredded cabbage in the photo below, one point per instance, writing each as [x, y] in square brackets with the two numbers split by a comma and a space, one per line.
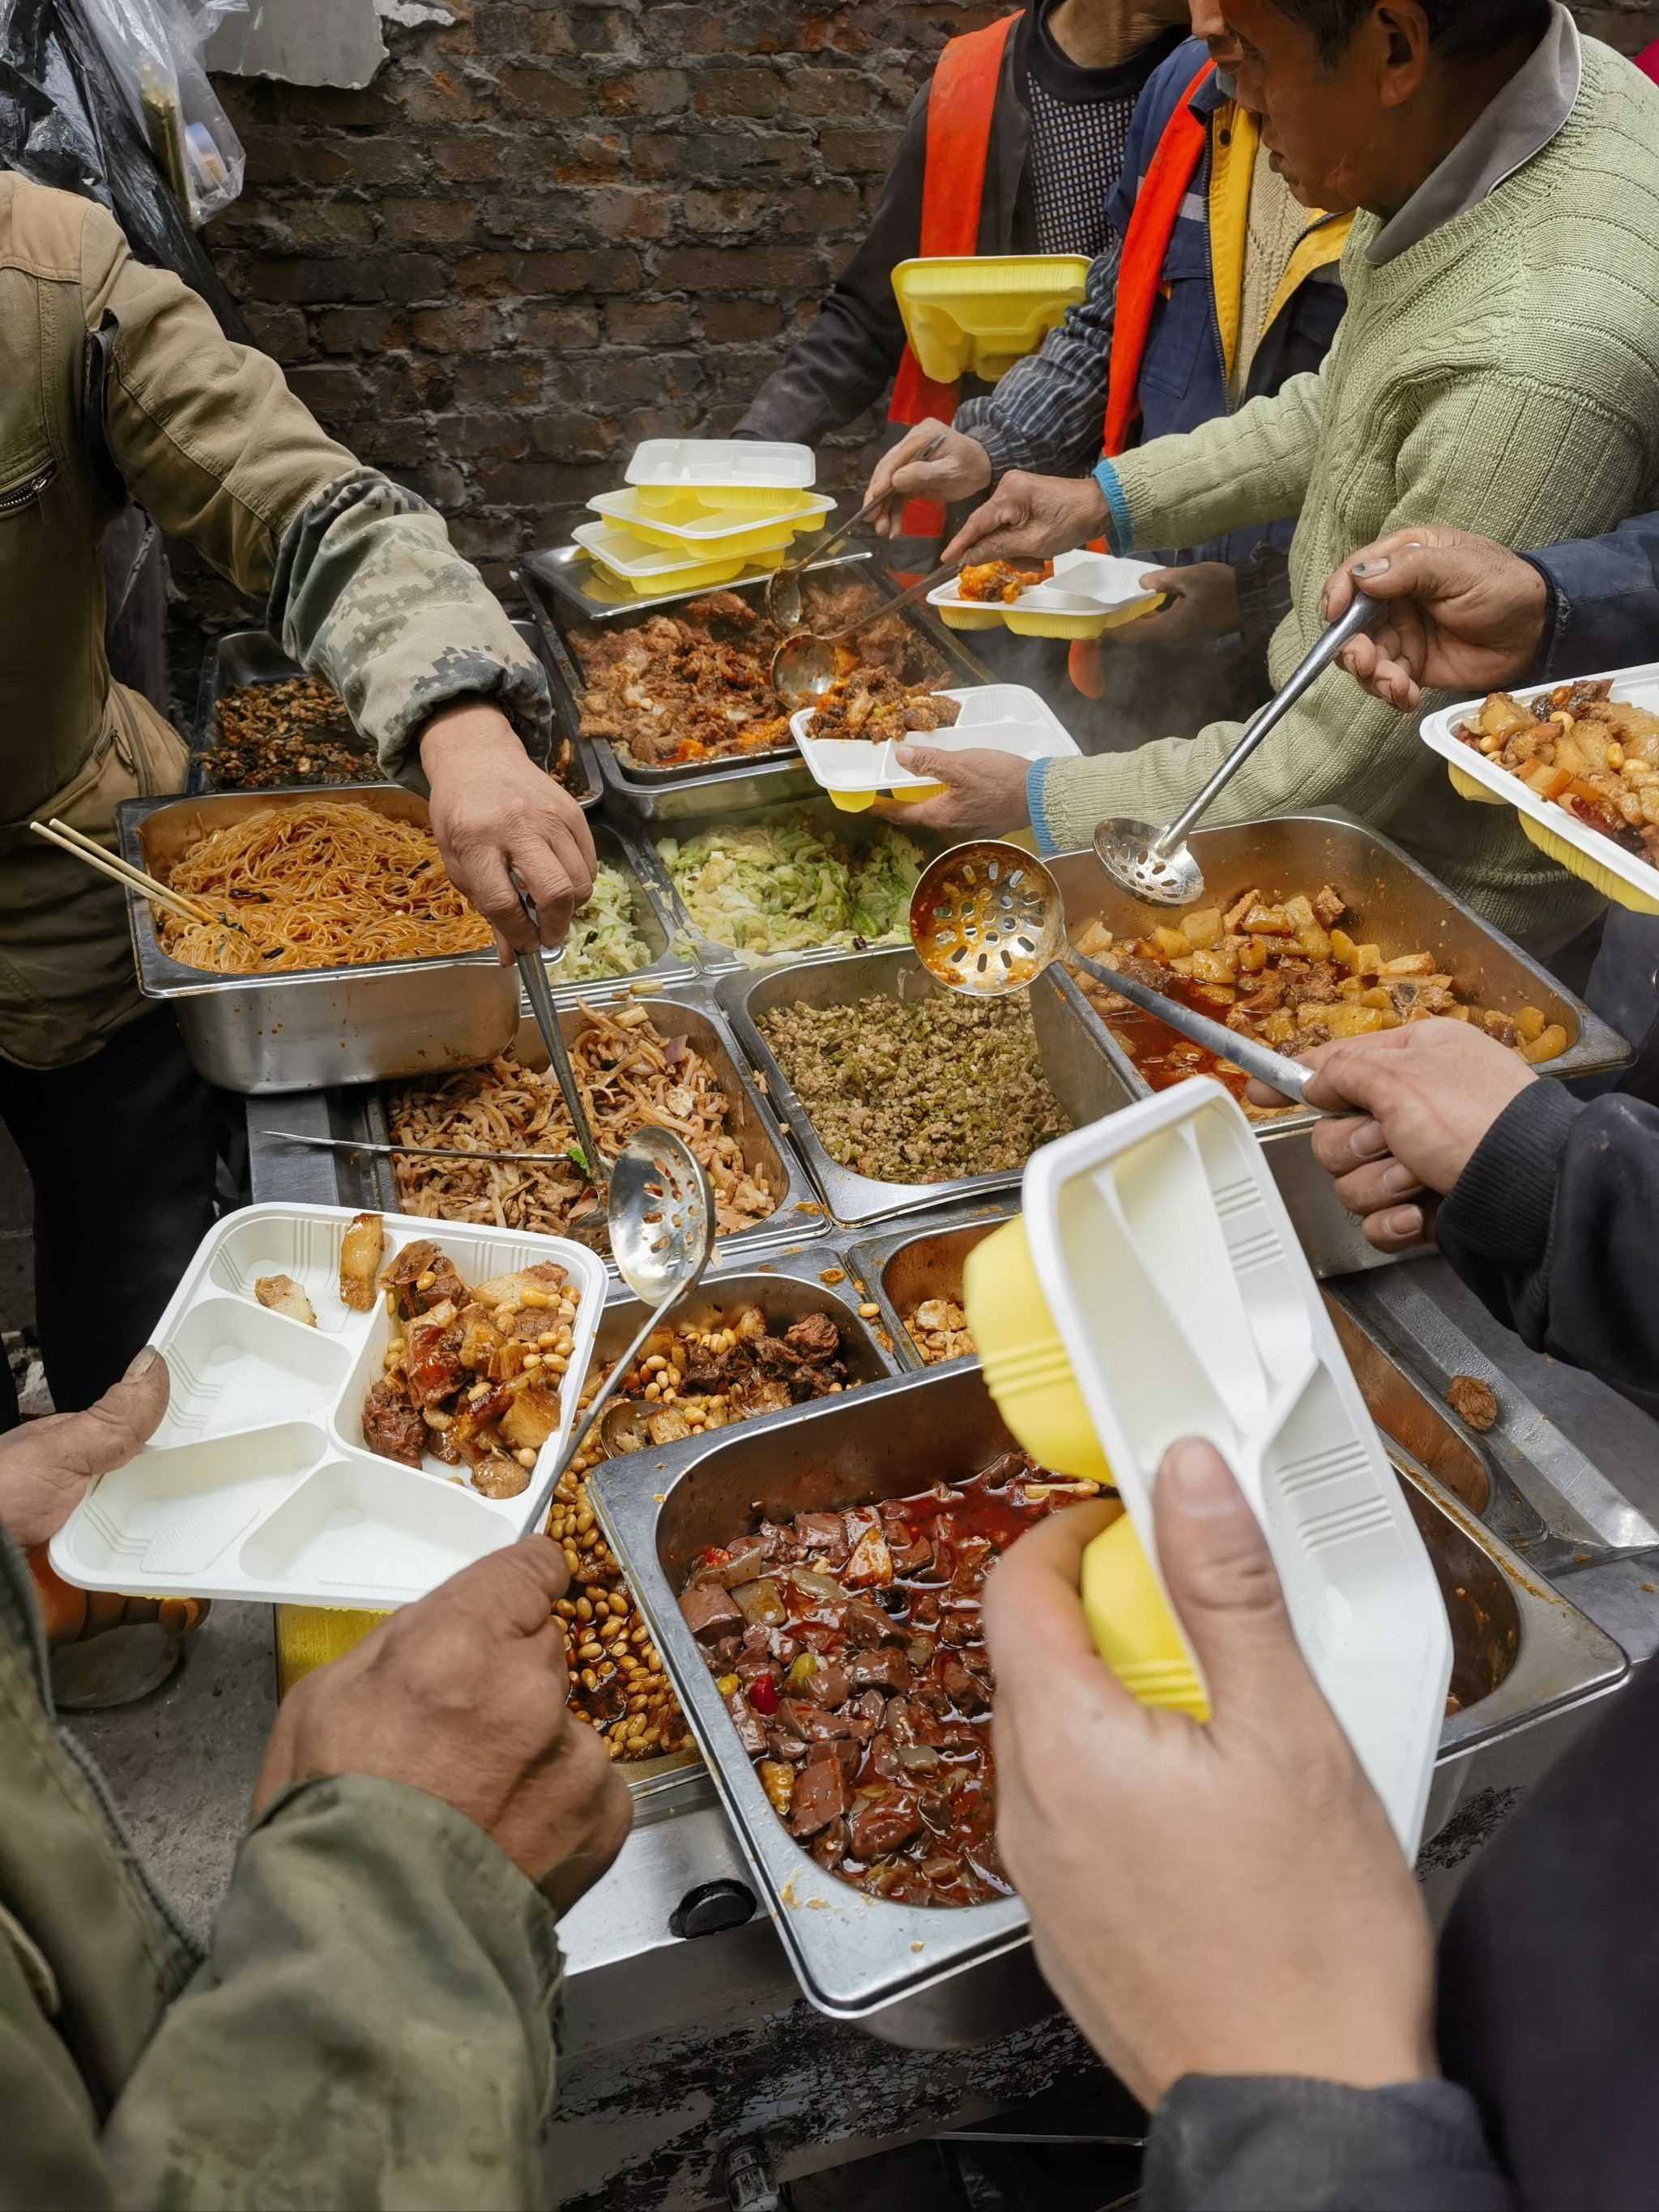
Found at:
[766, 889]
[603, 939]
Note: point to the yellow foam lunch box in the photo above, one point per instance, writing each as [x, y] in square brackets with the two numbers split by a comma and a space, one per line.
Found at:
[713, 536]
[1028, 1373]
[977, 314]
[1576, 861]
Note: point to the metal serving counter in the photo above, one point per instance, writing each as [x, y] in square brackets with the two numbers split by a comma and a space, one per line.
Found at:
[685, 2031]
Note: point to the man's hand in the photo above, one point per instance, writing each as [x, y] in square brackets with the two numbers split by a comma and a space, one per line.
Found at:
[1201, 600]
[1466, 614]
[1030, 518]
[46, 1466]
[984, 794]
[1427, 1094]
[1227, 1899]
[493, 809]
[959, 468]
[463, 1695]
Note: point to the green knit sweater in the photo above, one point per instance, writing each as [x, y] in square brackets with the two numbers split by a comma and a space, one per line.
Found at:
[1501, 376]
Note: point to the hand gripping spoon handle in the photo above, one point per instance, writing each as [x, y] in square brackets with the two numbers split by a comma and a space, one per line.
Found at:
[533, 975]
[1156, 866]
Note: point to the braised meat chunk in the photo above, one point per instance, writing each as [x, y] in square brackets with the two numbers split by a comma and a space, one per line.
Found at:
[997, 580]
[869, 1727]
[875, 706]
[1594, 755]
[462, 1378]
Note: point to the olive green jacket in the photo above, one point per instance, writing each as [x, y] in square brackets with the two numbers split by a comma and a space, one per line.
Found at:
[115, 382]
[370, 2026]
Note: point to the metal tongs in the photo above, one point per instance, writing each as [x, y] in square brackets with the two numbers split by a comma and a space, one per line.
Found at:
[803, 665]
[533, 975]
[1155, 865]
[781, 598]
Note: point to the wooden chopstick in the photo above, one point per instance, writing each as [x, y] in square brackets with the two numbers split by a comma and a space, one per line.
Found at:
[121, 872]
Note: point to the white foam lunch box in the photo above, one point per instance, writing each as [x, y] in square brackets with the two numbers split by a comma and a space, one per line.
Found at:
[1001, 718]
[1179, 1292]
[258, 1483]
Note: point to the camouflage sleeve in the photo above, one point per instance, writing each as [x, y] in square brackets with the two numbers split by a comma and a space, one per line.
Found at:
[369, 592]
[372, 2025]
[364, 585]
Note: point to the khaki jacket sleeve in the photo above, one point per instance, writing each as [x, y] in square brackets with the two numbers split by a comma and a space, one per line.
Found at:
[363, 585]
[372, 2025]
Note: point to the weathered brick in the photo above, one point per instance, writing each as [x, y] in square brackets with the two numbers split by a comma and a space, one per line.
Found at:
[533, 94]
[858, 153]
[575, 437]
[362, 329]
[744, 270]
[279, 331]
[564, 330]
[472, 329]
[739, 92]
[428, 221]
[644, 92]
[648, 323]
[736, 322]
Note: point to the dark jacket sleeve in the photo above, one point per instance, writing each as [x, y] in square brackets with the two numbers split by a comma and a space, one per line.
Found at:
[1268, 2144]
[1554, 1225]
[1603, 600]
[849, 351]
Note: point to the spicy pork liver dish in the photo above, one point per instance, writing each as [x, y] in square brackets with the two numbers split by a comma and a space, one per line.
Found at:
[848, 1649]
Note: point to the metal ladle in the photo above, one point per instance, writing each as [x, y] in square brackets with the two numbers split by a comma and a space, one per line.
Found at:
[803, 666]
[1154, 866]
[533, 975]
[781, 598]
[988, 919]
[661, 1213]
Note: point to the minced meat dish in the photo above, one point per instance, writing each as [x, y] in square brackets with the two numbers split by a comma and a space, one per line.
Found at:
[919, 1092]
[848, 1649]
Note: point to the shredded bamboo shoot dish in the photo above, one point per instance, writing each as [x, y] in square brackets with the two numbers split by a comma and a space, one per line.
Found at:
[631, 1076]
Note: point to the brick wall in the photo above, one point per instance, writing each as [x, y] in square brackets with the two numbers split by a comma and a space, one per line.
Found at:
[560, 226]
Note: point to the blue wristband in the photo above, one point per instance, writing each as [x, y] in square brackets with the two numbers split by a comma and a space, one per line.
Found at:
[1119, 532]
[1034, 775]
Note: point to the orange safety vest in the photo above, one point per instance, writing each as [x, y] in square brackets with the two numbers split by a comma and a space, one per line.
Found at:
[1139, 281]
[961, 103]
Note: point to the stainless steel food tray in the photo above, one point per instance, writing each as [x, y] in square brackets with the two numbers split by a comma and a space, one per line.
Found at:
[924, 1258]
[254, 656]
[679, 1010]
[1399, 906]
[655, 917]
[1527, 1666]
[313, 1027]
[716, 810]
[669, 795]
[784, 1288]
[856, 1200]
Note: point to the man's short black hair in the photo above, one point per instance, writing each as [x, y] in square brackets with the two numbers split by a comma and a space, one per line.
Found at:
[1461, 28]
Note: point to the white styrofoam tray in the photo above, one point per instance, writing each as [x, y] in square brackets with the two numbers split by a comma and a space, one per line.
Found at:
[699, 464]
[258, 1483]
[1082, 584]
[1637, 687]
[998, 718]
[635, 563]
[714, 529]
[1185, 1307]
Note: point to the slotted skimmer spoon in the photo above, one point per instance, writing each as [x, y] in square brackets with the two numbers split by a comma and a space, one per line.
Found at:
[1154, 866]
[781, 598]
[803, 666]
[533, 975]
[661, 1213]
[988, 919]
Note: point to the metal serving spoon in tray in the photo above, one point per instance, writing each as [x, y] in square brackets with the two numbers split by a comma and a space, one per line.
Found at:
[1155, 865]
[781, 598]
[803, 666]
[661, 1213]
[987, 919]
